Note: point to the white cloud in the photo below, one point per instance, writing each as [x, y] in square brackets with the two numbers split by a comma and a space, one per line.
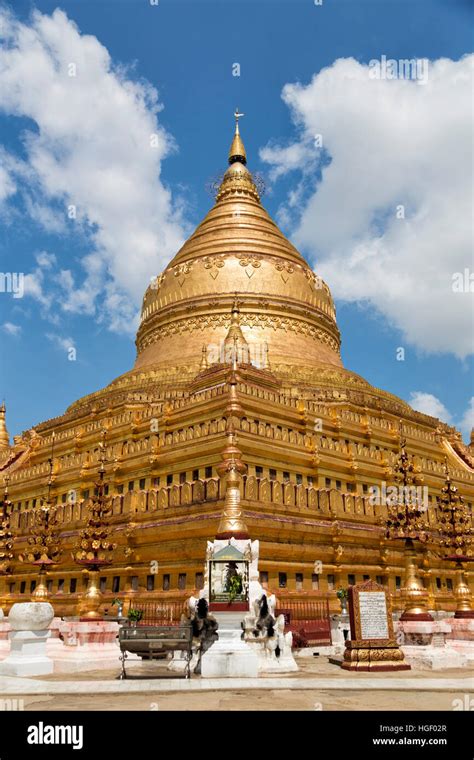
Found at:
[49, 218]
[429, 404]
[7, 185]
[45, 259]
[65, 344]
[33, 287]
[387, 143]
[91, 148]
[11, 329]
[294, 156]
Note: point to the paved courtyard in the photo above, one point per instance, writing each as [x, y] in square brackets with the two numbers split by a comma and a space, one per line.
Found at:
[283, 699]
[318, 686]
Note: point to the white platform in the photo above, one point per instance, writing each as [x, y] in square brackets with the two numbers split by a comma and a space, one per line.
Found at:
[27, 655]
[229, 657]
[434, 658]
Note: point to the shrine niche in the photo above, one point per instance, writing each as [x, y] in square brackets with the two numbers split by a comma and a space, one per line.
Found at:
[229, 576]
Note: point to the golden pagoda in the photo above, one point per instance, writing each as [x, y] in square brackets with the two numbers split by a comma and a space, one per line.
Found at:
[238, 412]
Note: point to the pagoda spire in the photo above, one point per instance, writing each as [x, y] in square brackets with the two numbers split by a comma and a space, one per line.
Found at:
[237, 182]
[4, 437]
[237, 149]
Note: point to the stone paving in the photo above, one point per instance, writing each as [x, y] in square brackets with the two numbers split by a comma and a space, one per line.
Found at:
[308, 668]
[319, 685]
[240, 699]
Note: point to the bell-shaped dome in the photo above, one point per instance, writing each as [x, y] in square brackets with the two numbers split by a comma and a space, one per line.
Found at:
[238, 256]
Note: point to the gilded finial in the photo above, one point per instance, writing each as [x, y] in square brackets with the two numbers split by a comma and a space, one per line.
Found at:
[237, 149]
[237, 181]
[237, 115]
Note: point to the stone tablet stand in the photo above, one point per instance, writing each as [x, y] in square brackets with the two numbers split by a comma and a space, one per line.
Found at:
[372, 646]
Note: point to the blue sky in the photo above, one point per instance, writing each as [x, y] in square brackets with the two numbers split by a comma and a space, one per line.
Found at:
[186, 51]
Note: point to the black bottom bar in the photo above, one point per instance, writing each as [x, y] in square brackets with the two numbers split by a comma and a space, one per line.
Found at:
[153, 733]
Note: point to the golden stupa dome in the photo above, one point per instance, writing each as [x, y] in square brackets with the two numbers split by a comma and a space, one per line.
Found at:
[238, 292]
[237, 267]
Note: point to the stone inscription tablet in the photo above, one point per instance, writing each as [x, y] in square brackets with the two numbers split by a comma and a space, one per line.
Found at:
[373, 615]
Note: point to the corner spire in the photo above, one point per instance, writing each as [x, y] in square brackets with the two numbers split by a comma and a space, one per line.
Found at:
[4, 437]
[237, 149]
[231, 469]
[204, 363]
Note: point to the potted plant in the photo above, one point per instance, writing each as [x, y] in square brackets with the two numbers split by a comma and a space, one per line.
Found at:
[342, 596]
[134, 616]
